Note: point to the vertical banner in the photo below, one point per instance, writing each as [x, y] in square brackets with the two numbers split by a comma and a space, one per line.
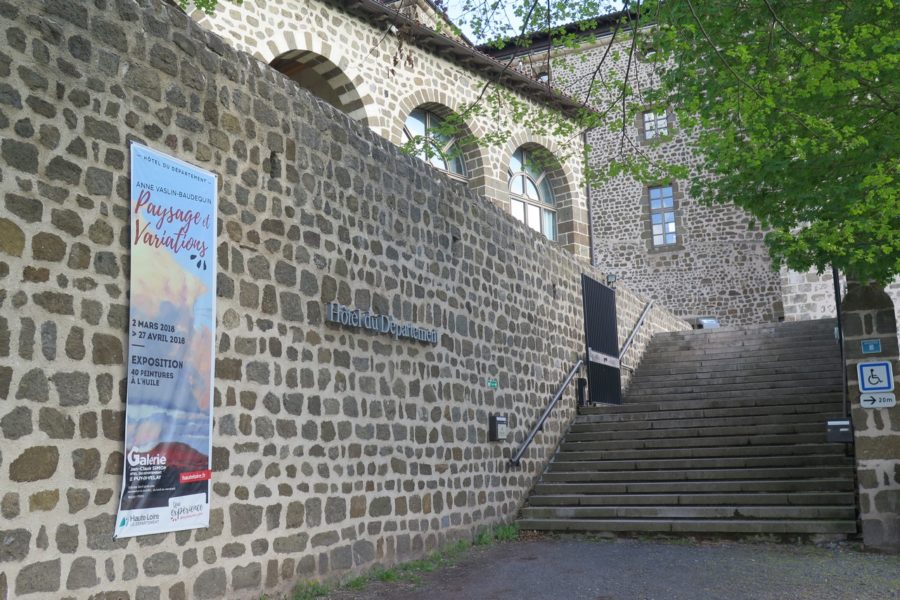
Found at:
[168, 419]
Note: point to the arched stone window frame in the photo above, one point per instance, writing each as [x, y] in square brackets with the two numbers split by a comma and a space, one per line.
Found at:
[352, 85]
[474, 155]
[571, 217]
[531, 198]
[443, 152]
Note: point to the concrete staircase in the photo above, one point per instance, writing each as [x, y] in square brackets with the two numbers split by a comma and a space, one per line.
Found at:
[722, 431]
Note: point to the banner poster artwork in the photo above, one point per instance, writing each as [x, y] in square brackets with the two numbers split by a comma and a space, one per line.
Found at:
[168, 418]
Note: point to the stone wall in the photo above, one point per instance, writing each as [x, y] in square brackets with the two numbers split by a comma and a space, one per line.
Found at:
[718, 267]
[868, 314]
[391, 76]
[333, 451]
[811, 295]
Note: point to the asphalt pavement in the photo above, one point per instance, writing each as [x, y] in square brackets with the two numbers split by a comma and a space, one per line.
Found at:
[582, 568]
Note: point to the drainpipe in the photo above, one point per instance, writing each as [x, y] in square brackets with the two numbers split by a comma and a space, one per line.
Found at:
[836, 277]
[587, 191]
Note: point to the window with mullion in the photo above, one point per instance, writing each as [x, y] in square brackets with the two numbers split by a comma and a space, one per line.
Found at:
[531, 196]
[434, 147]
[662, 216]
[655, 125]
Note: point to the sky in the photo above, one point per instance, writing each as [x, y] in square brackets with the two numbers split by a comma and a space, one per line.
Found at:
[505, 14]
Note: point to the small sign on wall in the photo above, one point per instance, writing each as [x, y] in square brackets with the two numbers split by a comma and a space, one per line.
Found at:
[498, 428]
[871, 346]
[875, 377]
[879, 400]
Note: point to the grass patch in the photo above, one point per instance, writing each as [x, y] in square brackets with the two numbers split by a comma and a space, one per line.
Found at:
[507, 533]
[501, 533]
[309, 590]
[484, 538]
[357, 583]
[410, 572]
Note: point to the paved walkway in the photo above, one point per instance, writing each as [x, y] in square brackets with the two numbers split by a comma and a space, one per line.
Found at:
[571, 568]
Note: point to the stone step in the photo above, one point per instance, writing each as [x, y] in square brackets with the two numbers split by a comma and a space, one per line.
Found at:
[711, 475]
[694, 432]
[724, 357]
[743, 400]
[569, 445]
[661, 464]
[787, 345]
[692, 526]
[701, 413]
[772, 331]
[746, 351]
[701, 423]
[722, 431]
[713, 452]
[737, 336]
[706, 387]
[782, 393]
[833, 484]
[772, 370]
[701, 499]
[847, 513]
[783, 328]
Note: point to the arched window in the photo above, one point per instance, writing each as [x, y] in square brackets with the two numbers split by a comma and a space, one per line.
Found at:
[323, 79]
[434, 145]
[530, 194]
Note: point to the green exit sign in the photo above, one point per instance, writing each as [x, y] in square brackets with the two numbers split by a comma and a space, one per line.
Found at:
[492, 383]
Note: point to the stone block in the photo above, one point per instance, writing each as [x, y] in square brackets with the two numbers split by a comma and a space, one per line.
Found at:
[14, 545]
[67, 538]
[248, 577]
[210, 584]
[19, 155]
[39, 577]
[291, 543]
[30, 210]
[161, 563]
[43, 501]
[244, 518]
[335, 510]
[16, 423]
[82, 573]
[12, 238]
[99, 533]
[106, 349]
[34, 464]
[341, 558]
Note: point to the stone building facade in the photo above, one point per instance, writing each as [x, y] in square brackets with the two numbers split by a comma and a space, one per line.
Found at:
[383, 63]
[333, 450]
[717, 266]
[713, 265]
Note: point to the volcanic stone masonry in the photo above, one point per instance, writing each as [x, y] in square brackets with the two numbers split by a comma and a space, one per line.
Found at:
[334, 450]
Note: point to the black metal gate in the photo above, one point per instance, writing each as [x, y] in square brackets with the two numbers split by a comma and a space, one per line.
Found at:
[602, 340]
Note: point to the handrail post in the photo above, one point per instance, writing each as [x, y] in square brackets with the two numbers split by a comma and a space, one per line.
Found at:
[517, 457]
[634, 331]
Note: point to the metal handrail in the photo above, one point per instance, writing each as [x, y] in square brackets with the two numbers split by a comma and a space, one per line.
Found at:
[637, 327]
[514, 461]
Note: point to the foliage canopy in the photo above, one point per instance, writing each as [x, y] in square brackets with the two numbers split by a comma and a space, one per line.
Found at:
[795, 108]
[792, 106]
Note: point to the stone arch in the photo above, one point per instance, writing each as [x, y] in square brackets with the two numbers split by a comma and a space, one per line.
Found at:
[562, 177]
[441, 103]
[354, 87]
[563, 181]
[323, 79]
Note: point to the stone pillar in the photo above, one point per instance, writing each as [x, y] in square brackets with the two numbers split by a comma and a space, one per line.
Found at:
[868, 314]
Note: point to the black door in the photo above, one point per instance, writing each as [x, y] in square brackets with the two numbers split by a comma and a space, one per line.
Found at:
[601, 335]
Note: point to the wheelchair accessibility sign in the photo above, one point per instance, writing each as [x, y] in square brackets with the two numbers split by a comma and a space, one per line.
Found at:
[875, 377]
